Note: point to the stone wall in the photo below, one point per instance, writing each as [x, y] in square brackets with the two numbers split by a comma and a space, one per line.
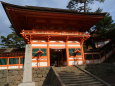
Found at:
[40, 76]
[14, 77]
[3, 78]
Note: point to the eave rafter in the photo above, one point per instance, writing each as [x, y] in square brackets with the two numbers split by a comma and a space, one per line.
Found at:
[34, 35]
[29, 18]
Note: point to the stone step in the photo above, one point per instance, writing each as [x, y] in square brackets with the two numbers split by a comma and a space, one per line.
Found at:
[77, 78]
[75, 82]
[64, 73]
[73, 71]
[79, 81]
[85, 85]
[71, 76]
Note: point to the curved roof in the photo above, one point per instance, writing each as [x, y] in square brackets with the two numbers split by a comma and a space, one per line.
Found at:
[31, 17]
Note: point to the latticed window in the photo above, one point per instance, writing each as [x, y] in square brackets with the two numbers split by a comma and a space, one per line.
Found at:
[3, 61]
[14, 61]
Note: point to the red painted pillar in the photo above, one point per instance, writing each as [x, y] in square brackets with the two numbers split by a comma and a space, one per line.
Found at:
[48, 52]
[82, 51]
[67, 52]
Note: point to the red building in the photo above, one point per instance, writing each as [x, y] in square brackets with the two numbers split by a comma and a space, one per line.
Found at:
[54, 36]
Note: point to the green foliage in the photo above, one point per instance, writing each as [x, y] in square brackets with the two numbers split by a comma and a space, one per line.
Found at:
[105, 26]
[99, 10]
[111, 33]
[81, 5]
[12, 41]
[105, 23]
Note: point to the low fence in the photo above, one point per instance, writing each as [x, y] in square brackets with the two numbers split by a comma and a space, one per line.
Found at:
[11, 60]
[101, 54]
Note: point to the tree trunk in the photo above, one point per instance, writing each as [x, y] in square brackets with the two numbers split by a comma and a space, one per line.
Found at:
[85, 6]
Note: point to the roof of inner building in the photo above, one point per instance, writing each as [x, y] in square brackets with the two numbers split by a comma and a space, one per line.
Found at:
[31, 17]
[11, 52]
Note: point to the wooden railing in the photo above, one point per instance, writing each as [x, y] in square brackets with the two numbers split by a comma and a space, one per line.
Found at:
[11, 60]
[100, 55]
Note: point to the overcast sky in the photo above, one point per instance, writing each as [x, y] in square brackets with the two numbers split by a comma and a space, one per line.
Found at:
[108, 6]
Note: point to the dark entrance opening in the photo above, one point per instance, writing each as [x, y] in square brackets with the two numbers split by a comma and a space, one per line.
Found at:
[58, 57]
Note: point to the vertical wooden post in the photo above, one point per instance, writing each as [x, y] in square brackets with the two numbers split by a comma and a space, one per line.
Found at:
[67, 51]
[19, 62]
[7, 69]
[48, 52]
[7, 62]
[82, 51]
[93, 57]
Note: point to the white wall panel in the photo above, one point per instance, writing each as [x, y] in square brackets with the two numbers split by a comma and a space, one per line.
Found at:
[57, 45]
[43, 63]
[12, 67]
[74, 45]
[3, 68]
[39, 45]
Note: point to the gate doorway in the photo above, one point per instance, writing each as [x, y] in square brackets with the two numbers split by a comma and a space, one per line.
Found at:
[58, 57]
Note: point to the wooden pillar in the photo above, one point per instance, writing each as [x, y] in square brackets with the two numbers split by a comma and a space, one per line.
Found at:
[67, 52]
[82, 50]
[8, 62]
[48, 52]
[19, 62]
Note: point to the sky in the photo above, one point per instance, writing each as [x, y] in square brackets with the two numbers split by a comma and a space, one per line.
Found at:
[107, 6]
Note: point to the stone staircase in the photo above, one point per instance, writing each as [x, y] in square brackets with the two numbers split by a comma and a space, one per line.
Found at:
[54, 76]
[72, 76]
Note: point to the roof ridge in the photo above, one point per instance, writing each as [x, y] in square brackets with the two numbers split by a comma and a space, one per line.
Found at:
[37, 8]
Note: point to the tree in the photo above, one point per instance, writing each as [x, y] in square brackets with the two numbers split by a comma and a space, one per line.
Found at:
[103, 27]
[12, 41]
[81, 5]
[111, 33]
[99, 10]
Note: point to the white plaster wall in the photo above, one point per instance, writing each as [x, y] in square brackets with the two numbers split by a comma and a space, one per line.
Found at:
[74, 45]
[35, 64]
[80, 62]
[72, 62]
[75, 62]
[73, 58]
[34, 45]
[39, 59]
[56, 45]
[3, 68]
[39, 64]
[43, 63]
[21, 66]
[13, 67]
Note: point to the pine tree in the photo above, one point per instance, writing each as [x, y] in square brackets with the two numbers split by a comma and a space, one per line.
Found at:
[12, 40]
